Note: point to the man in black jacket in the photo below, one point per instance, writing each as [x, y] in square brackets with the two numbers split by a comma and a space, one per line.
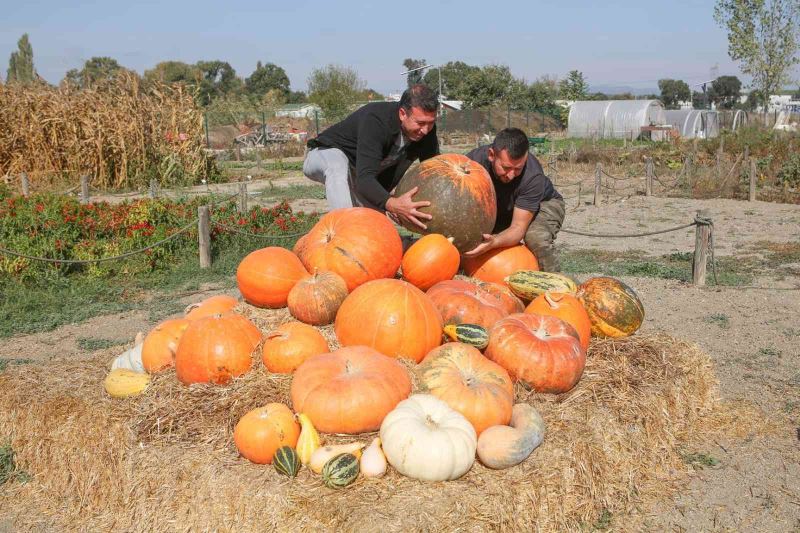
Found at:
[528, 205]
[362, 158]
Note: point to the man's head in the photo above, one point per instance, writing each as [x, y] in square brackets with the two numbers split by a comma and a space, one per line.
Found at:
[418, 111]
[508, 154]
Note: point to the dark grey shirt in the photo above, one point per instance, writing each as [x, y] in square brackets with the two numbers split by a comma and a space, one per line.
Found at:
[526, 191]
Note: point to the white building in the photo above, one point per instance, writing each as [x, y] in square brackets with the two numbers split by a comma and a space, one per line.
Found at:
[298, 110]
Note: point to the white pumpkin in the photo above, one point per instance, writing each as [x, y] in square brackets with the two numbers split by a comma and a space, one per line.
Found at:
[131, 359]
[423, 438]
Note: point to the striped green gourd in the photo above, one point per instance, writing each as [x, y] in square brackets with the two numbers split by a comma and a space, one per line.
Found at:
[471, 334]
[528, 284]
[286, 461]
[340, 471]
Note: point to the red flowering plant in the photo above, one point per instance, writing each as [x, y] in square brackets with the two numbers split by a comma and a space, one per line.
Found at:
[59, 227]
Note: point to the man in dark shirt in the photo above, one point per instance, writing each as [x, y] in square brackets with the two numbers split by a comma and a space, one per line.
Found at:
[528, 206]
[362, 158]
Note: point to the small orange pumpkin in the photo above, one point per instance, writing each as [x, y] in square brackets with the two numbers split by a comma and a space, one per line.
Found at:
[160, 345]
[289, 345]
[215, 305]
[430, 260]
[260, 432]
[476, 387]
[495, 265]
[391, 316]
[266, 276]
[542, 351]
[350, 390]
[568, 308]
[216, 348]
[316, 299]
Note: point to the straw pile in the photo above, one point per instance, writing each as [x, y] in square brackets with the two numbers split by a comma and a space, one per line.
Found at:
[166, 460]
[118, 133]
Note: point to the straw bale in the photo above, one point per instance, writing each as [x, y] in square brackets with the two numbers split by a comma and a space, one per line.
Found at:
[118, 133]
[166, 460]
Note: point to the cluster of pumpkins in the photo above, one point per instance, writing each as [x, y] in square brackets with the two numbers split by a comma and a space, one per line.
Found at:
[344, 271]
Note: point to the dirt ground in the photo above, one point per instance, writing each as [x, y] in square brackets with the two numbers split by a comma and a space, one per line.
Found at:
[752, 335]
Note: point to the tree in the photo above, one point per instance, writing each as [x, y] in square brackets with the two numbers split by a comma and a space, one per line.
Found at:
[797, 94]
[763, 38]
[414, 77]
[371, 95]
[296, 97]
[96, 70]
[673, 92]
[574, 86]
[487, 86]
[334, 89]
[454, 74]
[217, 79]
[699, 100]
[20, 64]
[725, 91]
[170, 72]
[266, 78]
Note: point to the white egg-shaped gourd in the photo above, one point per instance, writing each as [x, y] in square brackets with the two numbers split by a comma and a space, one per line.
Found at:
[423, 438]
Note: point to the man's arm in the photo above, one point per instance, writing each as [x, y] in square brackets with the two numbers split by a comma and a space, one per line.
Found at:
[369, 154]
[513, 234]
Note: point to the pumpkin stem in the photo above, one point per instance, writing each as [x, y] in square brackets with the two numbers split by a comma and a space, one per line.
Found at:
[465, 168]
[548, 297]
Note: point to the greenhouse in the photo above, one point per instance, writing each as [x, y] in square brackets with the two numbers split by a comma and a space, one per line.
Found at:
[614, 119]
[694, 123]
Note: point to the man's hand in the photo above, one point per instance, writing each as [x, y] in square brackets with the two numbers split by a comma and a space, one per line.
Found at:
[405, 208]
[487, 244]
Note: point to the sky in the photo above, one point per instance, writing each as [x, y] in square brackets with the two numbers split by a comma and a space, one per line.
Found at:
[614, 43]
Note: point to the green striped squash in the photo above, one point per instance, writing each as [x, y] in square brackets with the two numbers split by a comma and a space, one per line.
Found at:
[471, 334]
[614, 308]
[340, 471]
[528, 284]
[286, 461]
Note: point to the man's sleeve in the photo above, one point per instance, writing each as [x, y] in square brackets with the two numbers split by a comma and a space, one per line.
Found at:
[430, 146]
[369, 153]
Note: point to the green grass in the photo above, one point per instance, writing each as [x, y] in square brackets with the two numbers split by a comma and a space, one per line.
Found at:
[5, 363]
[604, 520]
[8, 466]
[769, 351]
[91, 344]
[700, 460]
[48, 304]
[720, 319]
[637, 263]
[294, 192]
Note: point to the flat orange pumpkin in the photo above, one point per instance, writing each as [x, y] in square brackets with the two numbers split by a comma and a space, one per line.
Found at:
[495, 265]
[266, 276]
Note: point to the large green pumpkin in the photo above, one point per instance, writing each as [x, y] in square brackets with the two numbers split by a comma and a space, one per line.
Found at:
[614, 308]
[462, 197]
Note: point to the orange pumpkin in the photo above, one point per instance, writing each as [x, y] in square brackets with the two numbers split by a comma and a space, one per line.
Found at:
[350, 390]
[462, 197]
[216, 348]
[430, 260]
[464, 302]
[568, 308]
[391, 316]
[358, 243]
[496, 264]
[266, 276]
[479, 389]
[160, 345]
[214, 305]
[542, 351]
[289, 345]
[316, 299]
[260, 432]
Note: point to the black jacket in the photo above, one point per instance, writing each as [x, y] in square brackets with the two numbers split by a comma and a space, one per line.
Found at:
[366, 137]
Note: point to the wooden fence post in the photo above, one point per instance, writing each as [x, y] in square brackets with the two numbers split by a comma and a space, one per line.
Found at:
[648, 185]
[26, 186]
[204, 235]
[553, 160]
[580, 188]
[258, 157]
[718, 168]
[573, 152]
[746, 155]
[238, 153]
[753, 177]
[702, 233]
[598, 170]
[153, 188]
[687, 167]
[84, 189]
[243, 197]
